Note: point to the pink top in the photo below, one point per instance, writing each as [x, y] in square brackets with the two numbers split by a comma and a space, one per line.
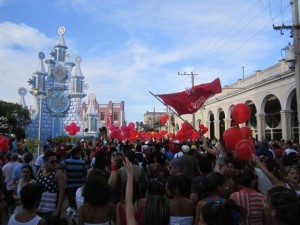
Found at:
[252, 201]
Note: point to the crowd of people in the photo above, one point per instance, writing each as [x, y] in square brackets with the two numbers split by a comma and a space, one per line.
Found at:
[149, 182]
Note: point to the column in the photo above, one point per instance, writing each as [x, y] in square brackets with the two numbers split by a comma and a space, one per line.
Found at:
[261, 126]
[286, 124]
[227, 123]
[217, 129]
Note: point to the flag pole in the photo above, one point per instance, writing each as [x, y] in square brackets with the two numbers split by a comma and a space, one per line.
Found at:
[173, 111]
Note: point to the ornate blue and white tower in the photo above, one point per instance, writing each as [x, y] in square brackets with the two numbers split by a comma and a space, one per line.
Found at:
[58, 92]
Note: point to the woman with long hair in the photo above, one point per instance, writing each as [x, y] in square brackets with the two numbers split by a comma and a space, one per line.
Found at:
[249, 198]
[97, 208]
[282, 206]
[138, 203]
[27, 178]
[182, 209]
[156, 210]
[291, 178]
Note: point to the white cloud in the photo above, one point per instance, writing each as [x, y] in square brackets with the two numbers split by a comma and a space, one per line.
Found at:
[130, 48]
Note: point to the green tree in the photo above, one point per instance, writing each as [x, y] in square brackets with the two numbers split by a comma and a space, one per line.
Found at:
[13, 119]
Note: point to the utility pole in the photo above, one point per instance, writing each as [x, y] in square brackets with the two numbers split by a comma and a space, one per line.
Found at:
[296, 36]
[193, 78]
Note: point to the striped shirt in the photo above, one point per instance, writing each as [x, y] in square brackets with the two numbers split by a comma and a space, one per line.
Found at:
[252, 201]
[49, 196]
[75, 170]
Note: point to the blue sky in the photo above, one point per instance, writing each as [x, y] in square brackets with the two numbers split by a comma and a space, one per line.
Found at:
[131, 47]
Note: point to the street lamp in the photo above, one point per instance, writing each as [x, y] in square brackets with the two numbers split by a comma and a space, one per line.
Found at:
[41, 94]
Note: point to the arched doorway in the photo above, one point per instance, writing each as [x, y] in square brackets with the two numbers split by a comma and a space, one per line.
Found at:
[222, 123]
[212, 125]
[272, 118]
[252, 122]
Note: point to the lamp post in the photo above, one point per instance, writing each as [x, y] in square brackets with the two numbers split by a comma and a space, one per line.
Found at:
[40, 123]
[41, 95]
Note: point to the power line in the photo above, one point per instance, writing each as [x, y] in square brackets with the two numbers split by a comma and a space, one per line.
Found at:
[245, 42]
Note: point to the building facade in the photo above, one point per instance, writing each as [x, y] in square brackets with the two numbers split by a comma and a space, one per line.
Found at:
[152, 121]
[271, 95]
[107, 115]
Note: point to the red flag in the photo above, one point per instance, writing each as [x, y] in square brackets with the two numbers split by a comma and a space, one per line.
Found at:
[190, 101]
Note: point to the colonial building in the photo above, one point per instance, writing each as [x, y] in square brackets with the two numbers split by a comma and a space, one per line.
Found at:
[271, 95]
[107, 114]
[152, 121]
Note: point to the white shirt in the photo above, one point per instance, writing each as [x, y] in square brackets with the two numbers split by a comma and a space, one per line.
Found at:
[264, 183]
[8, 173]
[178, 154]
[40, 161]
[290, 150]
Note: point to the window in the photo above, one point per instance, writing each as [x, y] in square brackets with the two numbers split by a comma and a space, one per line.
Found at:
[116, 116]
[102, 116]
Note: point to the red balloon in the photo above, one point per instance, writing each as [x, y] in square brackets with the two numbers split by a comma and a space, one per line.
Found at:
[72, 132]
[124, 128]
[246, 132]
[126, 134]
[241, 113]
[186, 126]
[245, 149]
[4, 144]
[72, 128]
[205, 129]
[131, 126]
[232, 136]
[112, 127]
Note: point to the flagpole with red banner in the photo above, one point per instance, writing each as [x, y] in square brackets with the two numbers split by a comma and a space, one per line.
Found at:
[173, 111]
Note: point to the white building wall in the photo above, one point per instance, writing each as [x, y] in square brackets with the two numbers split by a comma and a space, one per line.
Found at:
[276, 80]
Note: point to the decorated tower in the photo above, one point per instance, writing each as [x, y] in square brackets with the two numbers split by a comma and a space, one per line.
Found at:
[57, 90]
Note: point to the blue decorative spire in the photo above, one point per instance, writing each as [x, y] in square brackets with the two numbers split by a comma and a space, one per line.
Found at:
[40, 74]
[77, 77]
[61, 47]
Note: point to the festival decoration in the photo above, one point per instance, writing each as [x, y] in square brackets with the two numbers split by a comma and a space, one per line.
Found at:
[244, 149]
[202, 129]
[163, 119]
[232, 136]
[72, 128]
[4, 143]
[241, 113]
[246, 132]
[186, 133]
[238, 139]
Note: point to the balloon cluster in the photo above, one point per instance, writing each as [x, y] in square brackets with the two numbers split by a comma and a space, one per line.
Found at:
[72, 128]
[186, 133]
[238, 139]
[202, 129]
[4, 143]
[163, 119]
[128, 132]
